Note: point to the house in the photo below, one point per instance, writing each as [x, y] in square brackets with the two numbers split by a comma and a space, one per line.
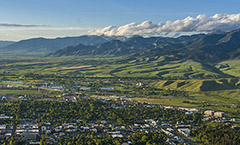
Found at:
[34, 143]
[85, 89]
[3, 116]
[167, 132]
[188, 113]
[207, 119]
[50, 140]
[48, 131]
[165, 124]
[151, 122]
[22, 98]
[113, 132]
[103, 122]
[79, 121]
[43, 128]
[27, 131]
[193, 110]
[61, 134]
[137, 125]
[85, 128]
[209, 112]
[29, 136]
[14, 82]
[182, 125]
[94, 130]
[117, 135]
[178, 139]
[169, 129]
[184, 131]
[168, 107]
[146, 126]
[4, 98]
[48, 123]
[139, 84]
[3, 129]
[57, 87]
[8, 134]
[219, 114]
[69, 126]
[237, 127]
[103, 88]
[148, 120]
[58, 128]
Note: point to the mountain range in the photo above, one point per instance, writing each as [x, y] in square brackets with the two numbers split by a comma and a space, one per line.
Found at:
[130, 46]
[43, 46]
[213, 47]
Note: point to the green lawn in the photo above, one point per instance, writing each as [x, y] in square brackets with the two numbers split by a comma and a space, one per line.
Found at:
[20, 92]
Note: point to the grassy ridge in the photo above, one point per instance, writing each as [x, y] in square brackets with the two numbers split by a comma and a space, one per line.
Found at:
[159, 67]
[231, 67]
[198, 85]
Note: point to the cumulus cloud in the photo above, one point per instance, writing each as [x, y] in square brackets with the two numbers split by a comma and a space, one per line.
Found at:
[201, 23]
[20, 25]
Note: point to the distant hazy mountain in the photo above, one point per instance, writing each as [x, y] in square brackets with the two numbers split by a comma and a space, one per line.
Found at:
[210, 48]
[45, 46]
[5, 43]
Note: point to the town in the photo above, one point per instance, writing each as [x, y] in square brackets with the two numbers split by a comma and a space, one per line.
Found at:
[42, 124]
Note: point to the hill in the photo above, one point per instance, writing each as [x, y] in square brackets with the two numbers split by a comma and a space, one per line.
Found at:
[5, 43]
[43, 46]
[198, 85]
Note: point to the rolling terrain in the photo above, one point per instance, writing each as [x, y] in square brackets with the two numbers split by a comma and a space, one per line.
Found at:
[5, 43]
[43, 46]
[206, 67]
[198, 85]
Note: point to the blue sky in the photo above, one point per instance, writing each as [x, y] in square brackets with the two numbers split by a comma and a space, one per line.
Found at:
[82, 15]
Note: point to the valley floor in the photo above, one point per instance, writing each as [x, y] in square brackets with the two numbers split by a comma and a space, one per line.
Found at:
[173, 88]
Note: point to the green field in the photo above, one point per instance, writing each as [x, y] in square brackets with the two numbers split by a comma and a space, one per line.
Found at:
[204, 83]
[20, 92]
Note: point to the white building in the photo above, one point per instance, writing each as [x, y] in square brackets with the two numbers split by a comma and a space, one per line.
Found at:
[184, 131]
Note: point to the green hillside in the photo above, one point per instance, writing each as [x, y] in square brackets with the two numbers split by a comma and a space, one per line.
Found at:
[231, 67]
[198, 85]
[157, 67]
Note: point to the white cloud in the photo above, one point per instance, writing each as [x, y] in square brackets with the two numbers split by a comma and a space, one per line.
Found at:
[201, 23]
